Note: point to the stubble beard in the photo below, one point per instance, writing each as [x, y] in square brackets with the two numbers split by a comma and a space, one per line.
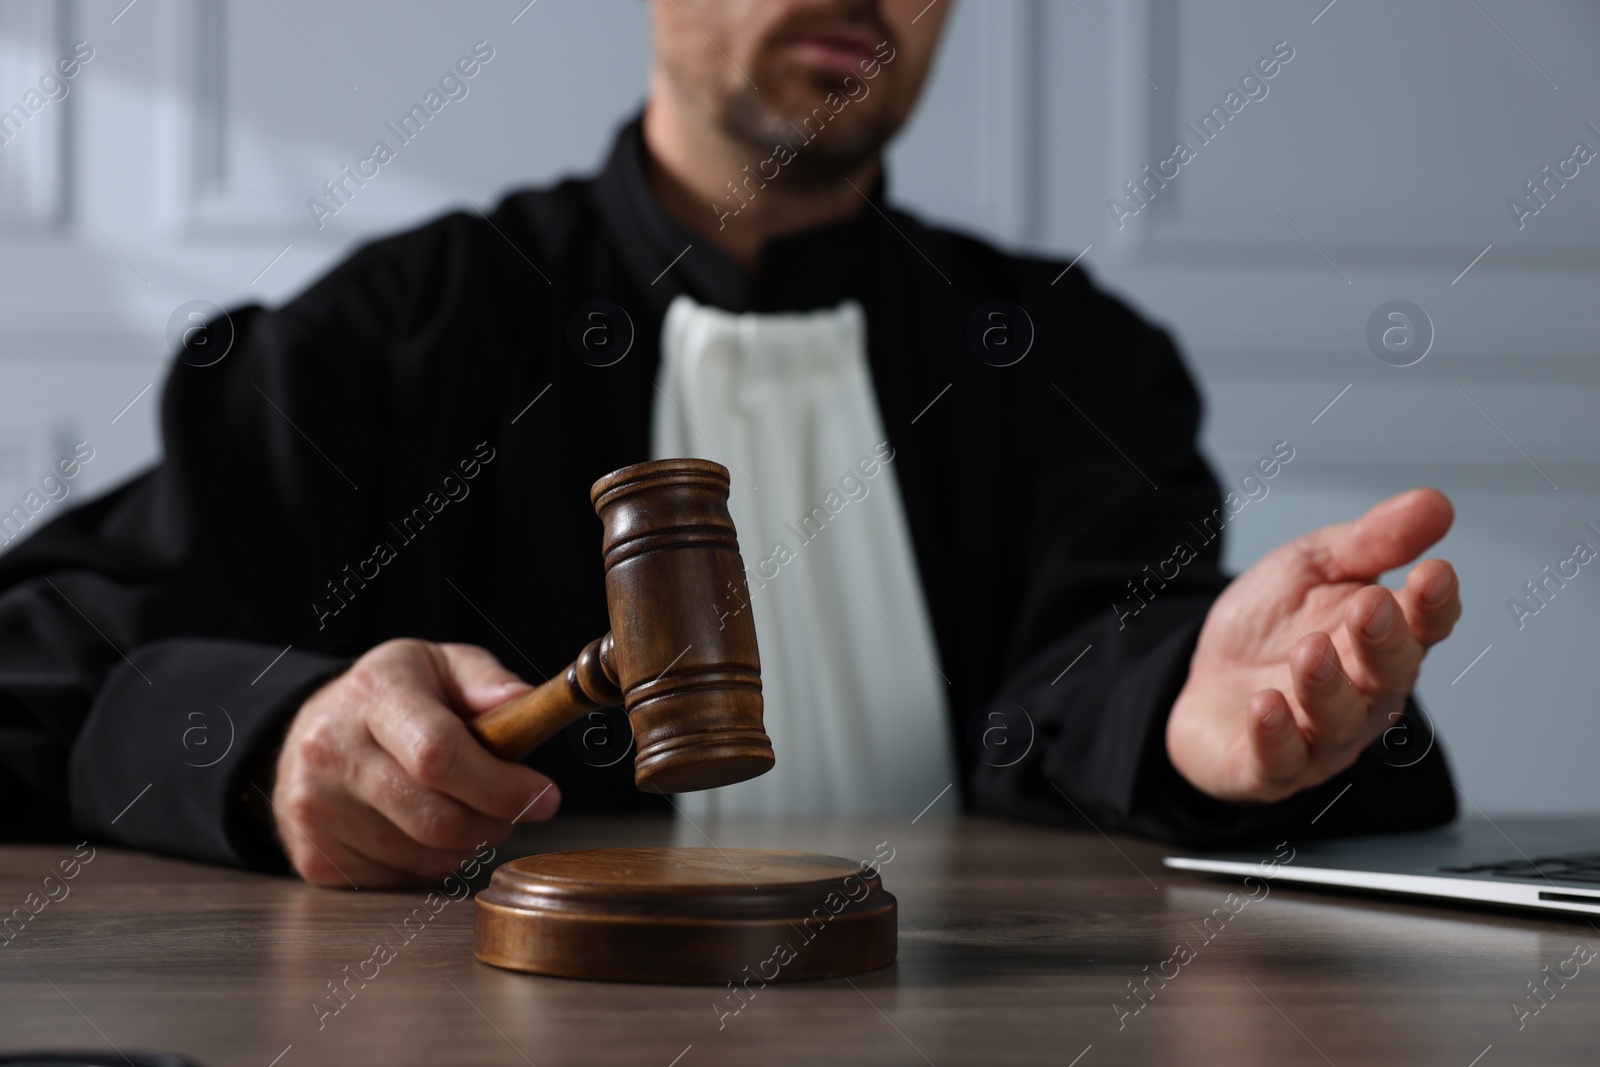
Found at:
[834, 152]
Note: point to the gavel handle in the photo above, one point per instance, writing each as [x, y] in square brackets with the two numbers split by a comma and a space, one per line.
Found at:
[519, 726]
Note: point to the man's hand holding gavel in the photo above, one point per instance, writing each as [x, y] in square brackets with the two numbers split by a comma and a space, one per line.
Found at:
[380, 784]
[381, 781]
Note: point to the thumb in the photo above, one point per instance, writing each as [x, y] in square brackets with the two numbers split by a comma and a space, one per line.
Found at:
[1391, 534]
[476, 681]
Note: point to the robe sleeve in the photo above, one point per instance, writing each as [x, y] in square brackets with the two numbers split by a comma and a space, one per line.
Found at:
[1123, 544]
[146, 667]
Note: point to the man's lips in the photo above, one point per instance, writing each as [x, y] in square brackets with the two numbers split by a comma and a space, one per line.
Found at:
[832, 51]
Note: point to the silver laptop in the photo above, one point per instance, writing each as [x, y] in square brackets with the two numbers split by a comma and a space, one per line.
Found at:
[1550, 863]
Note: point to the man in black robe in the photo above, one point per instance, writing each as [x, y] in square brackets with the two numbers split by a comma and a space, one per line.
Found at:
[372, 518]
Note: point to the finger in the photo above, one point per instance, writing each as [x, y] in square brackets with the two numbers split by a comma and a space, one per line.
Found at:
[476, 681]
[1389, 535]
[1279, 749]
[425, 816]
[363, 830]
[339, 867]
[1384, 654]
[433, 746]
[322, 859]
[1335, 710]
[1431, 600]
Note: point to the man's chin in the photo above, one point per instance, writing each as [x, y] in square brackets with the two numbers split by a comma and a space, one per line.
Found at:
[826, 145]
[827, 157]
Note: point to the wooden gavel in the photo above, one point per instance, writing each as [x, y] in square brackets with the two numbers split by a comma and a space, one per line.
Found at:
[681, 658]
[686, 670]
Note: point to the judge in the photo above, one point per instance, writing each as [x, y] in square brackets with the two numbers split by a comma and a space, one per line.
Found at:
[955, 473]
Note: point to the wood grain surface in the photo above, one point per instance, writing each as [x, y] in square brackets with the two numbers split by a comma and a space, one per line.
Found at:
[1017, 945]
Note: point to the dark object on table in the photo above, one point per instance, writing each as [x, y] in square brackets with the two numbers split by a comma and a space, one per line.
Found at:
[94, 1059]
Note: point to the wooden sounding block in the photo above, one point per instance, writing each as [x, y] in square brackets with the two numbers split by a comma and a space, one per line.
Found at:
[681, 659]
[686, 915]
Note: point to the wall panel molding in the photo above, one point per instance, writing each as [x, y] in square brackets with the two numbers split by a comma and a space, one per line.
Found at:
[198, 195]
[1011, 120]
[1147, 120]
[34, 35]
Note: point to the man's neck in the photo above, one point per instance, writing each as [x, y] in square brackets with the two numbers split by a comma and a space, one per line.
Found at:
[714, 186]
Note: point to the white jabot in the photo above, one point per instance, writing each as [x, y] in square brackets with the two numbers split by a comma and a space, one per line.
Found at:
[854, 699]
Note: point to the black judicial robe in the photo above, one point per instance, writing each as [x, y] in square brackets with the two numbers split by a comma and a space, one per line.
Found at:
[365, 464]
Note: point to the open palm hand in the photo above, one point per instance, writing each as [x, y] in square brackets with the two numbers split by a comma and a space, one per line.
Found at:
[1303, 661]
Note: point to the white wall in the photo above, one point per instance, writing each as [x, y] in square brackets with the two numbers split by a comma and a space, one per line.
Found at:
[1382, 158]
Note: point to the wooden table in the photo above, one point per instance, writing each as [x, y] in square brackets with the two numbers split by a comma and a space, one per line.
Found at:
[1016, 942]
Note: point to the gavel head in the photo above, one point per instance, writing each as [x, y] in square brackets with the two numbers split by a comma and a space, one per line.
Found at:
[683, 640]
